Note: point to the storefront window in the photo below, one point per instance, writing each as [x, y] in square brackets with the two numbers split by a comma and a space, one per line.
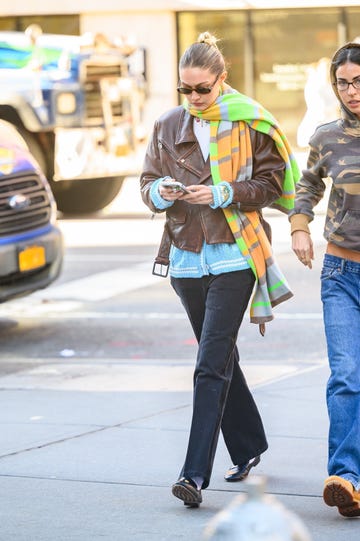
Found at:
[228, 26]
[51, 24]
[280, 57]
[353, 24]
[292, 51]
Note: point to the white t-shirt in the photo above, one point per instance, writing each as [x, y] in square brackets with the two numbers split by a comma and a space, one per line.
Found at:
[202, 133]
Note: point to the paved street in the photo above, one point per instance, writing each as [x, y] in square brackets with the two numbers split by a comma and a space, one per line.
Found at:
[95, 379]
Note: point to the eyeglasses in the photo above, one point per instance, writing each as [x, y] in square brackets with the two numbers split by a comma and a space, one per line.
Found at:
[344, 85]
[197, 89]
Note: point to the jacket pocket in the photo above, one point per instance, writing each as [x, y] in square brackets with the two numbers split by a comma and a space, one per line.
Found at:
[177, 213]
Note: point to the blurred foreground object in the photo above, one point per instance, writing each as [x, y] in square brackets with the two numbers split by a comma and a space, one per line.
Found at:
[254, 517]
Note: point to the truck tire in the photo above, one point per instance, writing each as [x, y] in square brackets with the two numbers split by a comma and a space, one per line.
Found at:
[85, 196]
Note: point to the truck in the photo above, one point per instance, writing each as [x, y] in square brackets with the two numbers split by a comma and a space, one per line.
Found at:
[77, 101]
[31, 242]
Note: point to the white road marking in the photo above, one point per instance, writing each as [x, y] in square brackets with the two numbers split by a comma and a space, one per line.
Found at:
[108, 258]
[102, 285]
[92, 233]
[67, 310]
[68, 300]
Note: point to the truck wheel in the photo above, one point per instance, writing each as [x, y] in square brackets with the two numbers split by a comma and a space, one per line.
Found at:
[85, 196]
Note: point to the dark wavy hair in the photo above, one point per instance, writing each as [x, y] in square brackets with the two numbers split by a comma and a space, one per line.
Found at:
[348, 53]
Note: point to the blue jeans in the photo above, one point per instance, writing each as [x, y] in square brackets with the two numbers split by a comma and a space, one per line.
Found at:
[340, 295]
[222, 400]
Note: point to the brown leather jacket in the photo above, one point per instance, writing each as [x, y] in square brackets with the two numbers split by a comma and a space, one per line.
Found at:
[174, 151]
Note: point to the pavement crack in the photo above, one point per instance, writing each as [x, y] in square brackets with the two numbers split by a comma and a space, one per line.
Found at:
[96, 430]
[151, 485]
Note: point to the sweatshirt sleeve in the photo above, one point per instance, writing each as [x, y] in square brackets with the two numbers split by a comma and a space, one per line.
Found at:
[310, 190]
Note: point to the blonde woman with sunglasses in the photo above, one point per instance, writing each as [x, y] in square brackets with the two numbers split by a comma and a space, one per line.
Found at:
[212, 164]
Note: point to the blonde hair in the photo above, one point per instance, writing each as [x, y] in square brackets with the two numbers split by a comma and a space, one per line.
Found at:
[204, 54]
[208, 38]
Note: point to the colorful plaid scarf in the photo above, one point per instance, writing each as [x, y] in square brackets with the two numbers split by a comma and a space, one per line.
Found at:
[231, 159]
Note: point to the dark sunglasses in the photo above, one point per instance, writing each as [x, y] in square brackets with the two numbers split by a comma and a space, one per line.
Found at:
[197, 89]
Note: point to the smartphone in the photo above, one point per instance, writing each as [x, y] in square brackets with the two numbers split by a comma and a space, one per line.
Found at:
[175, 185]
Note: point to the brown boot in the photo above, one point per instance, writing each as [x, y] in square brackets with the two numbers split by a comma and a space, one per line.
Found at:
[340, 493]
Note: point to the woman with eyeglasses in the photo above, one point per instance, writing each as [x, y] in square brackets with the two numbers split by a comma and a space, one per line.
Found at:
[335, 155]
[212, 164]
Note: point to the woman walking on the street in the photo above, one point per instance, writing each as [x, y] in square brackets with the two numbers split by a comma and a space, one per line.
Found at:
[230, 160]
[335, 154]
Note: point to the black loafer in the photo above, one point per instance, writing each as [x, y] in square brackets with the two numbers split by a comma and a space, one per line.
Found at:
[187, 491]
[239, 473]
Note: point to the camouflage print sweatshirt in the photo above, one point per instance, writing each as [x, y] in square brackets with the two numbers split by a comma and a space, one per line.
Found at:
[334, 155]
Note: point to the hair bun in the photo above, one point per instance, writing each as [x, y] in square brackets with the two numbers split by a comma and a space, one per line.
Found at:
[206, 37]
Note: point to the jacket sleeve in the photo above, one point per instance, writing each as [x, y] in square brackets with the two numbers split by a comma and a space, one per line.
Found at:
[265, 186]
[151, 171]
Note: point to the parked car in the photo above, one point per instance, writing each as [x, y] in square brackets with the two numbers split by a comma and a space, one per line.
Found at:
[31, 243]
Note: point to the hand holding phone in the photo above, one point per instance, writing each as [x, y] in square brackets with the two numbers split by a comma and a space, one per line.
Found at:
[175, 185]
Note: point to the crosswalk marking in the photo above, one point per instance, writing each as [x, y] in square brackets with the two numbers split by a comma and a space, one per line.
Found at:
[102, 285]
[68, 310]
[68, 300]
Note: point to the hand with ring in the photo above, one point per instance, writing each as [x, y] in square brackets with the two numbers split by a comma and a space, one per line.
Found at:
[303, 247]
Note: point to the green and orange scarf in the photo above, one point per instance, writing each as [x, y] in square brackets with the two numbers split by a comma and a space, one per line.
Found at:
[231, 160]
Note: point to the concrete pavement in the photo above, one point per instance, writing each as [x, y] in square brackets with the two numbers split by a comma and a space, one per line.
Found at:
[92, 465]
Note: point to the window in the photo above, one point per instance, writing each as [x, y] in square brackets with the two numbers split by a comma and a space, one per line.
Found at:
[353, 24]
[228, 26]
[292, 49]
[280, 58]
[52, 24]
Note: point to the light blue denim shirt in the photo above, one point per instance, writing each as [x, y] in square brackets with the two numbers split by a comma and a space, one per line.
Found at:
[213, 258]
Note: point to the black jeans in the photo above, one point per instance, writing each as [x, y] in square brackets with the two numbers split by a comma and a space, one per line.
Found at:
[215, 306]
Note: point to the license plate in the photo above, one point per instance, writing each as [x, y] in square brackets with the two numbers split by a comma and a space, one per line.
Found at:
[32, 258]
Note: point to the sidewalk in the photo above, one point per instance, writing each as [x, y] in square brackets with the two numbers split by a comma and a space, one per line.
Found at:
[99, 465]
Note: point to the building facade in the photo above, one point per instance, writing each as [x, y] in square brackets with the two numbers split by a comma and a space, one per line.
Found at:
[279, 55]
